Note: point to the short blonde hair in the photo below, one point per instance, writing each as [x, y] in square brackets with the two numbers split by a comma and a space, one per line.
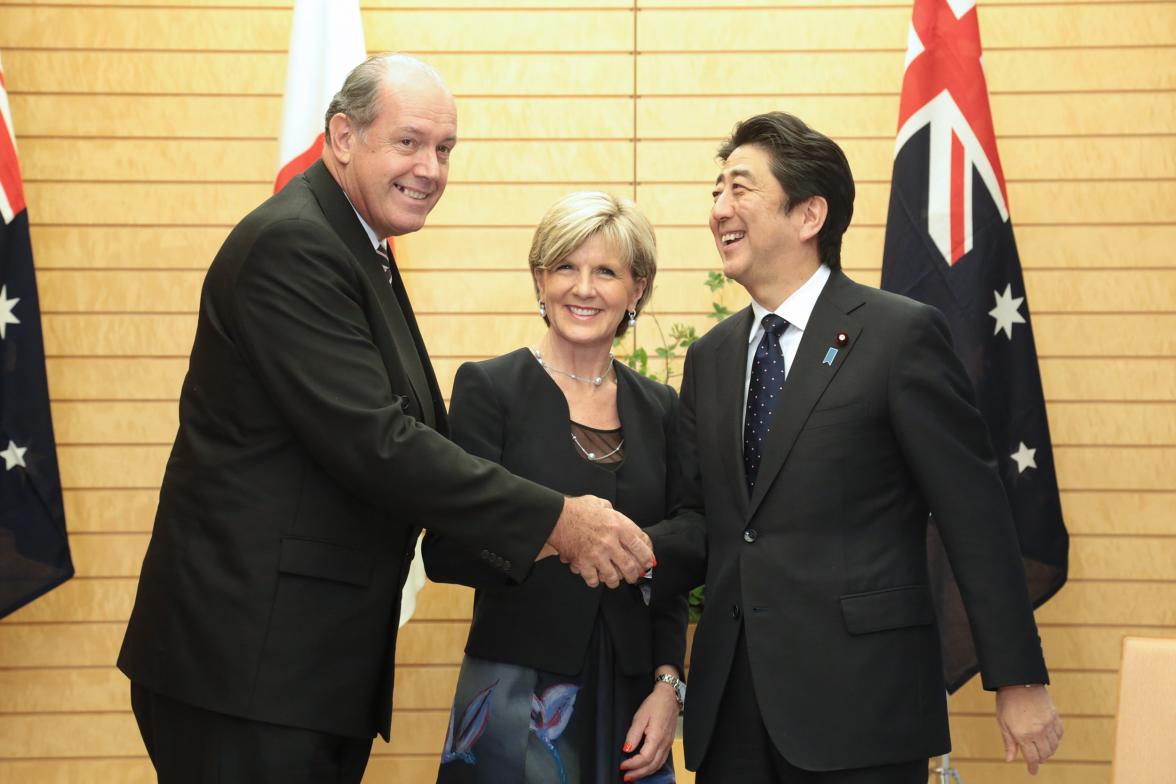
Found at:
[574, 218]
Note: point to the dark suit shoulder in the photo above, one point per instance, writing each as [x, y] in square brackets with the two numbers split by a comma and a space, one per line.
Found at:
[504, 371]
[887, 303]
[739, 321]
[663, 395]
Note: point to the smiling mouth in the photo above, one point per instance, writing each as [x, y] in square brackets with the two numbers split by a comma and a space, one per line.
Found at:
[410, 193]
[583, 312]
[731, 237]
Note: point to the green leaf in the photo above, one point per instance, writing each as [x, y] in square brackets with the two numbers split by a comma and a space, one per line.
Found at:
[696, 603]
[716, 280]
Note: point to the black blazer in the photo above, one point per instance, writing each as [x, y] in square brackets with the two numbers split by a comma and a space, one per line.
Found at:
[510, 411]
[307, 460]
[825, 565]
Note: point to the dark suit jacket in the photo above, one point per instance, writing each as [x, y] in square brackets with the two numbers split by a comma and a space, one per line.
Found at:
[307, 460]
[825, 565]
[510, 411]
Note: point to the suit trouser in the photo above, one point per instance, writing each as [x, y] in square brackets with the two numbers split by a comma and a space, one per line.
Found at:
[190, 745]
[742, 751]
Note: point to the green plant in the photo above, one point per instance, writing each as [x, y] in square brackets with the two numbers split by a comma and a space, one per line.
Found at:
[681, 336]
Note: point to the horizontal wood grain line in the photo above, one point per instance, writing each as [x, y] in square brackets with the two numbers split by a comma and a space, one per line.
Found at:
[574, 183]
[619, 50]
[630, 95]
[641, 139]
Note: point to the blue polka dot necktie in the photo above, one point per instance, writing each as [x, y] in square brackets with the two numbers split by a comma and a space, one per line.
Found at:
[763, 395]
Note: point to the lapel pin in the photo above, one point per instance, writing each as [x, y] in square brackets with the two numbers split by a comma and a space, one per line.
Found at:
[841, 339]
[830, 355]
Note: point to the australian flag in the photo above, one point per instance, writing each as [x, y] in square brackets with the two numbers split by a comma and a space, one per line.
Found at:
[949, 243]
[34, 552]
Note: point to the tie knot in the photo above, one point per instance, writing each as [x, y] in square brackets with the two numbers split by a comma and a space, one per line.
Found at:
[774, 324]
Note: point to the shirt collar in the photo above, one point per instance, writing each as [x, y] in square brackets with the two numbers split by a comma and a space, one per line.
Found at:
[376, 242]
[797, 308]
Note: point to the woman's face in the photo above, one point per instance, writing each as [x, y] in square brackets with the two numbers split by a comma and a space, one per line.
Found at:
[588, 293]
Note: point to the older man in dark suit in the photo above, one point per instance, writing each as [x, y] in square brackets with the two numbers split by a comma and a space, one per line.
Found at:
[311, 451]
[818, 428]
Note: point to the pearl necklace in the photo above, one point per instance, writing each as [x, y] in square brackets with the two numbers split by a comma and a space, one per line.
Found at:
[593, 380]
[592, 455]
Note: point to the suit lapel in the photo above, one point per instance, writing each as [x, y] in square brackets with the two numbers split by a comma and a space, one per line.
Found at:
[401, 321]
[809, 376]
[398, 317]
[730, 372]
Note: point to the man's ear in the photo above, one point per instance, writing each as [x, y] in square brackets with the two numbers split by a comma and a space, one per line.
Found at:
[813, 214]
[343, 137]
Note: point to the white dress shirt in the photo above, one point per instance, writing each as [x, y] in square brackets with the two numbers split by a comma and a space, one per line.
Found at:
[796, 311]
[376, 241]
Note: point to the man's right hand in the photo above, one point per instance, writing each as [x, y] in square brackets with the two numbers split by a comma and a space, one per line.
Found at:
[599, 543]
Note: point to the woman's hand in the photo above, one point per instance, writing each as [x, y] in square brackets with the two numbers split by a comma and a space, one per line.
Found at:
[653, 730]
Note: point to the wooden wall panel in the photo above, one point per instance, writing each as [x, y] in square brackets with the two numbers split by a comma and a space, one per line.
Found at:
[147, 128]
[816, 28]
[1069, 247]
[1032, 113]
[1033, 158]
[1037, 202]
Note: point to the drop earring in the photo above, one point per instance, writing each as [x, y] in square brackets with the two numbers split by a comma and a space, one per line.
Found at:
[542, 309]
[632, 318]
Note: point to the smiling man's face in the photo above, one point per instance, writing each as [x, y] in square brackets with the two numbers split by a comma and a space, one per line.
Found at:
[395, 171]
[752, 232]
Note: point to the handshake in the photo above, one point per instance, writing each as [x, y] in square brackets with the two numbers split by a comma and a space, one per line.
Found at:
[599, 543]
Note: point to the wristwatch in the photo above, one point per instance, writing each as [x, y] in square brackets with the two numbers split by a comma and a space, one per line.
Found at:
[676, 683]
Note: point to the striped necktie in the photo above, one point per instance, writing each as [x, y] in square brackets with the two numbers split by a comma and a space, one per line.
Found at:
[385, 260]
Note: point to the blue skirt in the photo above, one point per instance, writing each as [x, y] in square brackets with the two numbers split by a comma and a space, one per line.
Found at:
[517, 725]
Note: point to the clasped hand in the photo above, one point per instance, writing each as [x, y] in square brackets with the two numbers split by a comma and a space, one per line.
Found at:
[599, 543]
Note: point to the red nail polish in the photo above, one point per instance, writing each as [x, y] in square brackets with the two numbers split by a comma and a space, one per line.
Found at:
[654, 563]
[627, 748]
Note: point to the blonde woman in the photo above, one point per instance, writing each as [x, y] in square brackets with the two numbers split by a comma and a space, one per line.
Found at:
[562, 682]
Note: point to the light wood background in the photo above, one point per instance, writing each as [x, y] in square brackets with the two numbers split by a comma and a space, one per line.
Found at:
[147, 128]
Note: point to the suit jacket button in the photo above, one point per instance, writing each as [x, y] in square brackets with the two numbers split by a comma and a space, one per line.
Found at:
[736, 612]
[506, 566]
[749, 535]
[484, 555]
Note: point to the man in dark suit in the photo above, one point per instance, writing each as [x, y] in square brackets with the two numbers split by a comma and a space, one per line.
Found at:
[818, 428]
[311, 450]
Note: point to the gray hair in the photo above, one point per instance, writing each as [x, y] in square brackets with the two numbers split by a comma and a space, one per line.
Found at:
[359, 97]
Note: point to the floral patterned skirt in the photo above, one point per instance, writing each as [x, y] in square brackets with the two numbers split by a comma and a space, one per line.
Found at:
[517, 725]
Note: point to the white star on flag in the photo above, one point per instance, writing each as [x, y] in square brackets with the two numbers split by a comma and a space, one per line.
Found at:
[6, 316]
[1024, 456]
[13, 456]
[1007, 311]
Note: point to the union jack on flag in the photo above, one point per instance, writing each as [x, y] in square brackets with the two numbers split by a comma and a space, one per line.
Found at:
[949, 243]
[34, 552]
